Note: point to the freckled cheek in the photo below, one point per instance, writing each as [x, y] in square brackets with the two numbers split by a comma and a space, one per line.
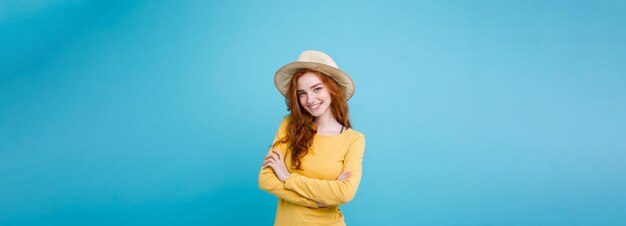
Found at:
[325, 94]
[302, 101]
[327, 97]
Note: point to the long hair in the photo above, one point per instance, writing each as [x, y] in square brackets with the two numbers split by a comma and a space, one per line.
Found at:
[301, 127]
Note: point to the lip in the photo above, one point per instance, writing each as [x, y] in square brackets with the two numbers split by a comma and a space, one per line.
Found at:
[315, 106]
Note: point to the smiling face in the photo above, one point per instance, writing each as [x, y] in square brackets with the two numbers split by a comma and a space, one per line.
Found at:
[313, 94]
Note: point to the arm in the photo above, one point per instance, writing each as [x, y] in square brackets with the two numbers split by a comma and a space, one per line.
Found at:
[270, 183]
[332, 192]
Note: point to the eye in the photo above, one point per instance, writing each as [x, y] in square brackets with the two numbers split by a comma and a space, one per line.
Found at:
[301, 94]
[317, 89]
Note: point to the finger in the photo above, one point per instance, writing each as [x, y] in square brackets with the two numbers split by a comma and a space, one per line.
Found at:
[280, 154]
[321, 205]
[344, 175]
[269, 157]
[275, 156]
[270, 165]
[268, 161]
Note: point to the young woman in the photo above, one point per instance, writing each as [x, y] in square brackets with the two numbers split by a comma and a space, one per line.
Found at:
[315, 162]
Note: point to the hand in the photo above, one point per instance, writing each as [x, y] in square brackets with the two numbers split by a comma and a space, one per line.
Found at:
[276, 161]
[342, 176]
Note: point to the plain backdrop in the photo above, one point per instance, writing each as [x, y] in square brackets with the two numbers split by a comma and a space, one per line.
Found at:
[142, 112]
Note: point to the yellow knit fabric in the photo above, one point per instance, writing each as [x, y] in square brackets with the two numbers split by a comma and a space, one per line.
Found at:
[317, 180]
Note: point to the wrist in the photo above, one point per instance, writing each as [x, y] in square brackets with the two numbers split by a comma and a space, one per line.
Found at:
[285, 176]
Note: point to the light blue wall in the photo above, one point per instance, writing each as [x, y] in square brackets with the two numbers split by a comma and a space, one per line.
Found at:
[160, 112]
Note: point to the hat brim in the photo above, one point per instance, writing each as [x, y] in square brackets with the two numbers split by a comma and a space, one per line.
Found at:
[282, 78]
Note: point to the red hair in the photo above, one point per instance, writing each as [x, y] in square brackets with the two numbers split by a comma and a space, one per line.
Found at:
[301, 128]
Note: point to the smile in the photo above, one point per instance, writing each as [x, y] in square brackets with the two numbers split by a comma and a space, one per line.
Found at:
[315, 106]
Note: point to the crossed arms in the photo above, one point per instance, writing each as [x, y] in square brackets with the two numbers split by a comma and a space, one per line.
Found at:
[312, 192]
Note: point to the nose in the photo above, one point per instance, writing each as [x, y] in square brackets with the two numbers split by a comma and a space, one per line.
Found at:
[310, 98]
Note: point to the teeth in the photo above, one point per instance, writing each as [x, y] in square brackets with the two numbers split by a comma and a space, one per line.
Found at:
[315, 107]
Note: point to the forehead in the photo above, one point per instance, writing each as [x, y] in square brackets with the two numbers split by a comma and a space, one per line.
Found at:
[307, 80]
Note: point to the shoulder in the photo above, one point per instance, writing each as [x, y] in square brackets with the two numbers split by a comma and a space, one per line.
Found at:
[285, 122]
[356, 142]
[356, 136]
[282, 128]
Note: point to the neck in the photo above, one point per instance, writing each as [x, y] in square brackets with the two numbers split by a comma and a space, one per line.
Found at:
[326, 120]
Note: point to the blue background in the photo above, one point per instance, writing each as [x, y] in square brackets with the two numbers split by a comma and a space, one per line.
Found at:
[160, 112]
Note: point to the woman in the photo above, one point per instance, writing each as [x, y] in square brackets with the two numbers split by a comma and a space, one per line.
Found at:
[314, 164]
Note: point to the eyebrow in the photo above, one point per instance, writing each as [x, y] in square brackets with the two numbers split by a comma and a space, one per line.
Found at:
[313, 86]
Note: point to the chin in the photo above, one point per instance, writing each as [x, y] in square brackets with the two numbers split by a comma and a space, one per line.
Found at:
[314, 114]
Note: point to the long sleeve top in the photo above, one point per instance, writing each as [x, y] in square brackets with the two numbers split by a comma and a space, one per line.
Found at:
[316, 181]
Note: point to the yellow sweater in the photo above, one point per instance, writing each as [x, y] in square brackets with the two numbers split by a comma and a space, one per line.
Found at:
[317, 180]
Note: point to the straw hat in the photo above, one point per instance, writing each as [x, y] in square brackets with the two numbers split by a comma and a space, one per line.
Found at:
[314, 60]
